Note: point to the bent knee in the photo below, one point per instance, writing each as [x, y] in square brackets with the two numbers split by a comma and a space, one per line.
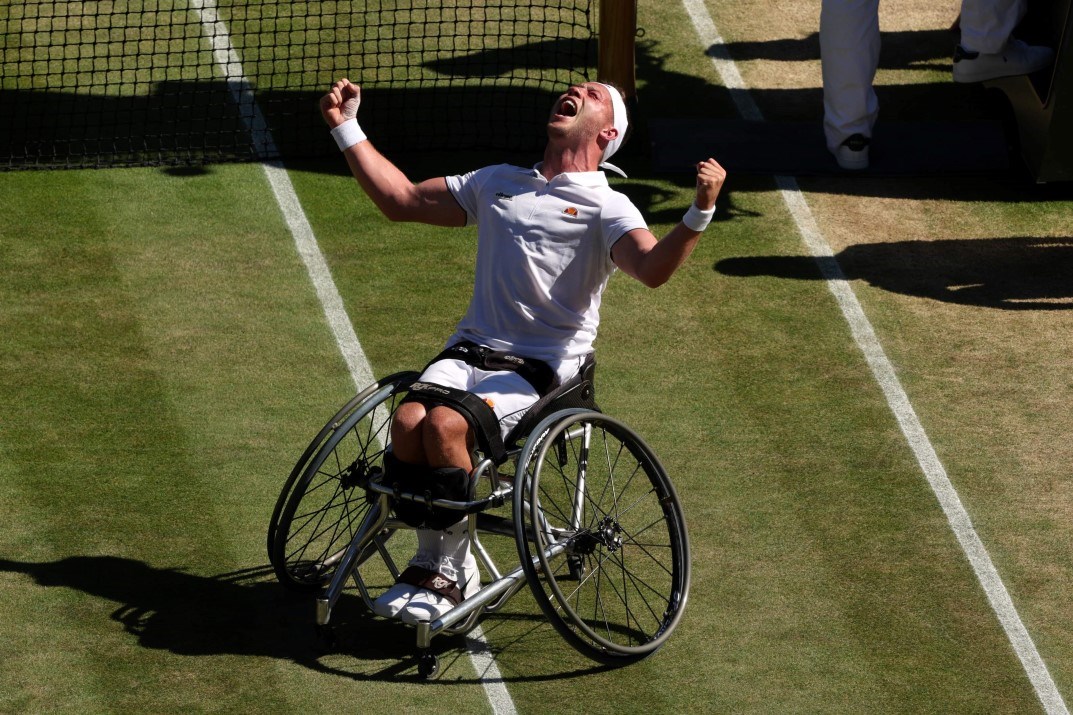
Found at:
[445, 423]
[408, 419]
[413, 418]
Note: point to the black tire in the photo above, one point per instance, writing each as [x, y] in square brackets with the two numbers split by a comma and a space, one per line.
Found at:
[329, 428]
[324, 501]
[613, 582]
[428, 665]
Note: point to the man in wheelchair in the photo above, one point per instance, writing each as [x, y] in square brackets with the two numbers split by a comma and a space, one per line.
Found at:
[548, 239]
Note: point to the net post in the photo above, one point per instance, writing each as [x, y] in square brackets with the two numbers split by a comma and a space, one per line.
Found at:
[618, 35]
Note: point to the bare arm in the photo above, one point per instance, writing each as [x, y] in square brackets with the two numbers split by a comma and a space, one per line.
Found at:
[398, 198]
[652, 261]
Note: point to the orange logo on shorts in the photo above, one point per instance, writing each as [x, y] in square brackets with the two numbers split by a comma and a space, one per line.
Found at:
[570, 211]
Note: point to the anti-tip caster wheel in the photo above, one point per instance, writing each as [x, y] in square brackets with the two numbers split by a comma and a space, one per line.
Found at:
[576, 565]
[428, 665]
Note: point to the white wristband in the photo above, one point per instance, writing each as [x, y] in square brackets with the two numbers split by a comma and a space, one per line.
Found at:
[348, 134]
[697, 219]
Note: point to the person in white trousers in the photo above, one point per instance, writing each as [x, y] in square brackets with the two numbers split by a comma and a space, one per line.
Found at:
[849, 56]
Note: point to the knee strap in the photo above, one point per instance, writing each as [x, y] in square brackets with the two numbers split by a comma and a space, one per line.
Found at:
[476, 411]
[449, 483]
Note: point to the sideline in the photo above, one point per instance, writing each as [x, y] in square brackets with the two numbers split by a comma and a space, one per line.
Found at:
[883, 371]
[227, 61]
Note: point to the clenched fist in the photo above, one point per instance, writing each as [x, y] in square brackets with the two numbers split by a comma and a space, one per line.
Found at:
[710, 178]
[340, 103]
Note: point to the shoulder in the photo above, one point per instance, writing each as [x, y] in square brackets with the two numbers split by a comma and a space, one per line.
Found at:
[616, 203]
[485, 175]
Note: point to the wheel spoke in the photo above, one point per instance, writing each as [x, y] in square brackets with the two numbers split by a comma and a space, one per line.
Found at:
[328, 500]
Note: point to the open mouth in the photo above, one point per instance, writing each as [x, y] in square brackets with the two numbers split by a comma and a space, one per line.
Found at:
[568, 107]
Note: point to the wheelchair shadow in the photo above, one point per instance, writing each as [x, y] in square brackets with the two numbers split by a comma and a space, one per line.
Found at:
[532, 633]
[247, 613]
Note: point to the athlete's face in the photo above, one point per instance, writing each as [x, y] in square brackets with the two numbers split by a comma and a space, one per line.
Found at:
[584, 109]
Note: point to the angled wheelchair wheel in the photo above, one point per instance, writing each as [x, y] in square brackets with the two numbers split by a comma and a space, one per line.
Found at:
[299, 467]
[324, 500]
[601, 536]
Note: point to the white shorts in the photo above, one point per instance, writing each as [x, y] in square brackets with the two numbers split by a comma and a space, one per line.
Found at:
[508, 393]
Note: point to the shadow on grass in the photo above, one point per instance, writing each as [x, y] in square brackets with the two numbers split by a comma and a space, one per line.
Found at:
[905, 49]
[1007, 273]
[248, 613]
[482, 124]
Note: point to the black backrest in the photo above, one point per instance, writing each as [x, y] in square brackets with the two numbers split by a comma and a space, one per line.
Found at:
[579, 391]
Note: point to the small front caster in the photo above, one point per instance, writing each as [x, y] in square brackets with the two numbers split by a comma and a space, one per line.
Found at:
[428, 665]
[576, 564]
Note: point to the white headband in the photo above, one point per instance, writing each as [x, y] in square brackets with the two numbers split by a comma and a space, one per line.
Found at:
[621, 123]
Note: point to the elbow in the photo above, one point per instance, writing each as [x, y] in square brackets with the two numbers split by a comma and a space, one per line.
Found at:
[651, 279]
[395, 215]
[645, 275]
[395, 211]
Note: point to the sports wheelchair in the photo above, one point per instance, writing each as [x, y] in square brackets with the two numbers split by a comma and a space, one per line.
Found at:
[597, 525]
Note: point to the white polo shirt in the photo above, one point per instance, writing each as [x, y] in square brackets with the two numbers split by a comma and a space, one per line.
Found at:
[543, 257]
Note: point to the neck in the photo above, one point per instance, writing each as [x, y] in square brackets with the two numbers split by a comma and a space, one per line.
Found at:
[563, 159]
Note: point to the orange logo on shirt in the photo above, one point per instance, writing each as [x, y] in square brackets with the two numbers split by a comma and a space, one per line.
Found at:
[570, 211]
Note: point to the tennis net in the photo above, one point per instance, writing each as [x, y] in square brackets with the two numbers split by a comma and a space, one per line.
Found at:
[146, 82]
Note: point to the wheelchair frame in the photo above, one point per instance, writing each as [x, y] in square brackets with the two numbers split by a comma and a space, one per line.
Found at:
[585, 535]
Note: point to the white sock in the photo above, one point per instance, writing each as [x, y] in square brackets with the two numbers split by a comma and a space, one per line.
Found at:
[456, 563]
[454, 549]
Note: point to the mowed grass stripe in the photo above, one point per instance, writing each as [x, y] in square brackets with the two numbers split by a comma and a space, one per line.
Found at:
[865, 338]
[115, 491]
[172, 361]
[86, 439]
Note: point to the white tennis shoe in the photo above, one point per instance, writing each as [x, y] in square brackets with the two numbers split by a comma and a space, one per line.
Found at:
[1017, 58]
[392, 601]
[852, 154]
[428, 605]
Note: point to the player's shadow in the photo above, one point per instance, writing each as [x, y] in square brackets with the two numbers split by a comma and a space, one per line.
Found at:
[1024, 273]
[248, 613]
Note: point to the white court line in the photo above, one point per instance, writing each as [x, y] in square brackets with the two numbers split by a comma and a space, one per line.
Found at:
[227, 61]
[884, 373]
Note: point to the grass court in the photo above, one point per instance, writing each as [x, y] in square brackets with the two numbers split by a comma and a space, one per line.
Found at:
[166, 359]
